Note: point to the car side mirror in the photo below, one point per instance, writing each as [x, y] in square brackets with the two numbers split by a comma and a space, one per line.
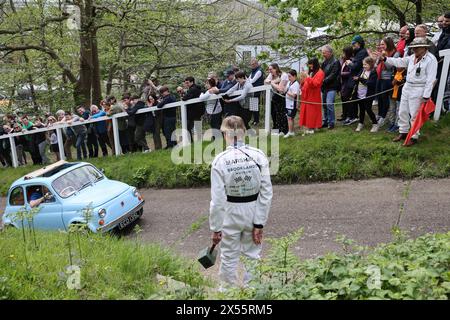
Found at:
[102, 170]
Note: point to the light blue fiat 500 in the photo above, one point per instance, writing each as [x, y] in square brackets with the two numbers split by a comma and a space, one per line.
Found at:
[65, 190]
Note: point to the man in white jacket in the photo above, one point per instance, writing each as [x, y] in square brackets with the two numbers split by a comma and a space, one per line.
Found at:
[420, 79]
[241, 196]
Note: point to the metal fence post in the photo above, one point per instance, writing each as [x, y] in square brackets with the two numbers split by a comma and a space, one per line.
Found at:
[12, 143]
[268, 110]
[62, 154]
[184, 126]
[117, 147]
[443, 83]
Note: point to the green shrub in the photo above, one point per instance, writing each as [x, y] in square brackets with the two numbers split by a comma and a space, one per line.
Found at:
[403, 269]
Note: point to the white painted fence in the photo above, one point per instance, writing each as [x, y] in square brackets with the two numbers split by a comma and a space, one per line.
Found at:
[182, 104]
[440, 97]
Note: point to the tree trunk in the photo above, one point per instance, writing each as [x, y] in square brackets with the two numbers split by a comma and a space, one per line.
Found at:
[96, 80]
[419, 9]
[82, 90]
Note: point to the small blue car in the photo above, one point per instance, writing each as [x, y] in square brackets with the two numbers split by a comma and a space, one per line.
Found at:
[64, 190]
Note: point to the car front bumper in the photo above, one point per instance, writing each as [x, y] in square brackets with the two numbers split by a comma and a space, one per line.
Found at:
[113, 224]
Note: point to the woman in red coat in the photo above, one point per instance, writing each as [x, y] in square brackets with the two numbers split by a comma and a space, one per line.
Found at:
[311, 114]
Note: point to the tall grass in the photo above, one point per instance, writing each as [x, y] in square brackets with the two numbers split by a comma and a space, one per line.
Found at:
[111, 268]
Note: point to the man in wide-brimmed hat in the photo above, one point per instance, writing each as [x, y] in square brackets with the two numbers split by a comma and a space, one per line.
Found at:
[420, 79]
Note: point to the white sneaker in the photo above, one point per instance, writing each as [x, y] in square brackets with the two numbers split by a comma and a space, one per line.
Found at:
[309, 131]
[380, 122]
[281, 134]
[289, 134]
[359, 127]
[147, 151]
[375, 128]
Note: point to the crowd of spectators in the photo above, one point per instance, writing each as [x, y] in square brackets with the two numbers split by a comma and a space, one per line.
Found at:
[361, 77]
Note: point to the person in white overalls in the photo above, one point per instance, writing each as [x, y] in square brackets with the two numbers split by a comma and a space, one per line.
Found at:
[241, 196]
[420, 79]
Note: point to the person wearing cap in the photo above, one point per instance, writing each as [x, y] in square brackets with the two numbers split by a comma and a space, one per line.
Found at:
[421, 70]
[226, 85]
[421, 31]
[241, 196]
[356, 67]
[229, 82]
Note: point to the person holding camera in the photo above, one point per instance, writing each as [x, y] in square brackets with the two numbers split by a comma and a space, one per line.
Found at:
[421, 70]
[38, 196]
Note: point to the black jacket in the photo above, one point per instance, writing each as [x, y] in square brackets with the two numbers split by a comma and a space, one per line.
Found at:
[444, 40]
[371, 84]
[332, 70]
[196, 110]
[136, 119]
[170, 112]
[356, 66]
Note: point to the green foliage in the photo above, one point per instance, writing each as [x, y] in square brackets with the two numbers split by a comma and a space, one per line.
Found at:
[111, 269]
[345, 18]
[404, 269]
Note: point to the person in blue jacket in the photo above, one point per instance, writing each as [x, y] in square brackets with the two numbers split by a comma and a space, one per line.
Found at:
[101, 129]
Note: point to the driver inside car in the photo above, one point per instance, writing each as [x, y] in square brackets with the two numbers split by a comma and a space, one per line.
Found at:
[39, 195]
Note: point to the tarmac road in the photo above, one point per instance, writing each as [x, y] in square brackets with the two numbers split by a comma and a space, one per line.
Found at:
[364, 211]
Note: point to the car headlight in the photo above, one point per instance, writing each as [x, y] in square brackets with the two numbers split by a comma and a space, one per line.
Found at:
[137, 194]
[102, 213]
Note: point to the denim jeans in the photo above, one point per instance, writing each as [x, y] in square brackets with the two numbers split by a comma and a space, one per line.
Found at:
[81, 145]
[383, 99]
[328, 98]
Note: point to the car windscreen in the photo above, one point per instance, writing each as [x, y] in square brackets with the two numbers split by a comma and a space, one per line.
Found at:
[75, 180]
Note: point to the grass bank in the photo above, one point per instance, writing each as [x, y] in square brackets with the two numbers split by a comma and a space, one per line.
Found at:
[110, 268]
[325, 156]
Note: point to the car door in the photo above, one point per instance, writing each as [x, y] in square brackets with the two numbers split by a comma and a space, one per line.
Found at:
[49, 215]
[16, 202]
